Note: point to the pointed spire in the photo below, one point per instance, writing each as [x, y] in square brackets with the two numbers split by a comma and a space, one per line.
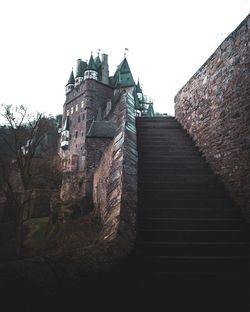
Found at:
[91, 64]
[98, 61]
[150, 111]
[80, 68]
[138, 87]
[71, 79]
[124, 75]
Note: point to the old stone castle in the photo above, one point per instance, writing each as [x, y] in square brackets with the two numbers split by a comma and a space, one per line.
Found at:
[90, 119]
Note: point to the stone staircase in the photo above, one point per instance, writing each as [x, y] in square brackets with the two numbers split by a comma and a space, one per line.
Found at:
[187, 224]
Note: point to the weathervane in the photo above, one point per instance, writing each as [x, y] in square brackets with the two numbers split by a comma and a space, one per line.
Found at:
[98, 51]
[125, 53]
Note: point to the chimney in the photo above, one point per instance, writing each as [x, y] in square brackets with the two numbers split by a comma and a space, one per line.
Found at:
[105, 69]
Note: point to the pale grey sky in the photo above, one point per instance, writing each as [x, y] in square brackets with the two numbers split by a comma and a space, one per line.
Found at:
[167, 41]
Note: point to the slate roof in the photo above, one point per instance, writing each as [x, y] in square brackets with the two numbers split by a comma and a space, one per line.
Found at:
[123, 75]
[91, 64]
[138, 87]
[102, 129]
[71, 79]
[150, 111]
[98, 61]
[81, 67]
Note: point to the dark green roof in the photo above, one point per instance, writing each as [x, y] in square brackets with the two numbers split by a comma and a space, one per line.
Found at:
[98, 61]
[150, 111]
[138, 87]
[81, 67]
[91, 64]
[137, 102]
[102, 129]
[66, 124]
[71, 79]
[123, 75]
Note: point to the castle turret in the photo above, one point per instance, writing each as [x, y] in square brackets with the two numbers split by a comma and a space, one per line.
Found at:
[71, 83]
[105, 69]
[65, 134]
[123, 75]
[98, 62]
[139, 91]
[80, 68]
[150, 111]
[91, 71]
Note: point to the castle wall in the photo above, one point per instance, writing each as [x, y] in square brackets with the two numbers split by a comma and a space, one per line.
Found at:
[94, 151]
[115, 179]
[214, 107]
[81, 106]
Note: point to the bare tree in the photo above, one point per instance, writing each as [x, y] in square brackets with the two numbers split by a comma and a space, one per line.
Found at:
[26, 156]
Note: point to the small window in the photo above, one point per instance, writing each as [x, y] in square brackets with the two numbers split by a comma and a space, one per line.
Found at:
[83, 116]
[72, 110]
[81, 104]
[67, 113]
[79, 118]
[70, 136]
[76, 107]
[76, 134]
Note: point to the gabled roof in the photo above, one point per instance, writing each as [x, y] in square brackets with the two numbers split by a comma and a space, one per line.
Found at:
[91, 64]
[81, 67]
[150, 110]
[98, 61]
[71, 79]
[138, 87]
[102, 129]
[123, 75]
[137, 101]
[66, 124]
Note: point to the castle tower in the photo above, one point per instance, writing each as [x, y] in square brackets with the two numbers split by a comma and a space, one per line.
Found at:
[71, 83]
[139, 91]
[105, 69]
[91, 71]
[81, 66]
[65, 134]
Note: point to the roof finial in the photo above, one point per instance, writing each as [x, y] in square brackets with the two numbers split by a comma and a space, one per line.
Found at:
[98, 51]
[125, 53]
[91, 52]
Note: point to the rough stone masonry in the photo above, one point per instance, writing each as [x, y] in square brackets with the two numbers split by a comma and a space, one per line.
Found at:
[214, 108]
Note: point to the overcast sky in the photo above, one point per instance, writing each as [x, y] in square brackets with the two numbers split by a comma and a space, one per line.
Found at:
[167, 40]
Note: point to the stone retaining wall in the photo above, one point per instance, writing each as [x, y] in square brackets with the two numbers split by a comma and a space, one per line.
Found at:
[214, 107]
[115, 180]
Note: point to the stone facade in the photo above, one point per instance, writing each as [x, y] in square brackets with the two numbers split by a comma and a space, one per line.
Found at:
[214, 107]
[99, 159]
[115, 179]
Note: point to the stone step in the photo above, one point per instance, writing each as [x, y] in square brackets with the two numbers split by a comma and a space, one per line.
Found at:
[144, 164]
[189, 223]
[179, 180]
[148, 170]
[149, 202]
[183, 194]
[153, 212]
[193, 248]
[154, 119]
[180, 142]
[192, 235]
[192, 264]
[172, 152]
[161, 134]
[172, 158]
[165, 149]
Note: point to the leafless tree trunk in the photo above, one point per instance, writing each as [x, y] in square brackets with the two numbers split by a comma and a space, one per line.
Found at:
[23, 136]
